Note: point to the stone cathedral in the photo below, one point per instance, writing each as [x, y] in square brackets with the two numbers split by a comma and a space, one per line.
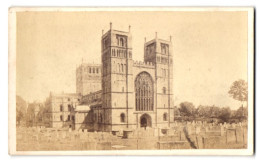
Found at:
[135, 94]
[119, 94]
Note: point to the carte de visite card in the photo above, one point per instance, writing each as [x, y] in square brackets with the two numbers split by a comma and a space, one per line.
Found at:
[131, 81]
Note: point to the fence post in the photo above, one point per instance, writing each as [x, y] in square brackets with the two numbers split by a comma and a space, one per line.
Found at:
[243, 137]
[203, 142]
[197, 141]
[137, 144]
[236, 134]
[226, 135]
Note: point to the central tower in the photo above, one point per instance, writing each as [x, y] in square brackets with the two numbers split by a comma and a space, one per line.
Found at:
[117, 64]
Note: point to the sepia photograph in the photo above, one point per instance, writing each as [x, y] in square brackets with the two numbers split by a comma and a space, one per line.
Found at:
[131, 81]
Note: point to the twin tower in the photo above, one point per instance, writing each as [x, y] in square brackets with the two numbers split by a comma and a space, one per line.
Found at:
[135, 94]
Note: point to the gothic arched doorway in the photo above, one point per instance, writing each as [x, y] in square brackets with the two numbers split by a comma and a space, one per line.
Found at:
[145, 121]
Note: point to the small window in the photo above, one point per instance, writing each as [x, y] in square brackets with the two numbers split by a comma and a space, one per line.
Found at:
[95, 117]
[61, 118]
[89, 70]
[164, 90]
[122, 117]
[68, 99]
[113, 52]
[163, 50]
[122, 42]
[122, 67]
[101, 118]
[73, 118]
[68, 117]
[162, 70]
[165, 117]
[94, 70]
[69, 107]
[105, 43]
[97, 70]
[61, 107]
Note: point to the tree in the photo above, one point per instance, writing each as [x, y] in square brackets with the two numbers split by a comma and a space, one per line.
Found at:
[225, 114]
[34, 113]
[238, 91]
[187, 108]
[20, 109]
[176, 112]
[204, 111]
[241, 113]
[215, 111]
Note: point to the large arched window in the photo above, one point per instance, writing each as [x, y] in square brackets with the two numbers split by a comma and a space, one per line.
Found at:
[122, 117]
[144, 92]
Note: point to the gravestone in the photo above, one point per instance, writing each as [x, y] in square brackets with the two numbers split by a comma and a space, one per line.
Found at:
[193, 123]
[239, 135]
[207, 129]
[231, 135]
[197, 130]
[222, 130]
[240, 124]
[233, 125]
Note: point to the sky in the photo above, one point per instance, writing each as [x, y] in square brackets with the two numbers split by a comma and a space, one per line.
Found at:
[209, 50]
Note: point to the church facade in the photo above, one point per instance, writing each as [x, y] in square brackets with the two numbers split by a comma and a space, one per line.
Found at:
[134, 94]
[120, 93]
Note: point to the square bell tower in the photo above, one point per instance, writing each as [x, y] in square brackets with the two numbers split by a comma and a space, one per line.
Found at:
[116, 77]
[159, 52]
